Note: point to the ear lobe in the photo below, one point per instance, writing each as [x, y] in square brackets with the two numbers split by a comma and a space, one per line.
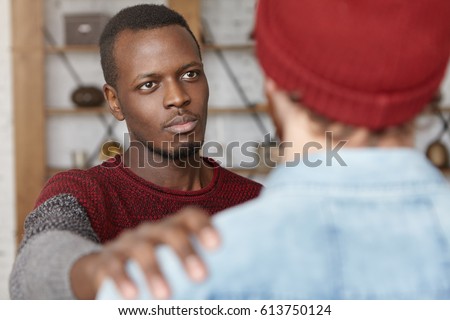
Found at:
[113, 102]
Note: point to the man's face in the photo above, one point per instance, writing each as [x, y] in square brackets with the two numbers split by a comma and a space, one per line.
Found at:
[162, 91]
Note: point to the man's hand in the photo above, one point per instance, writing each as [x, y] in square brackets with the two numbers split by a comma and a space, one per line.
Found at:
[139, 244]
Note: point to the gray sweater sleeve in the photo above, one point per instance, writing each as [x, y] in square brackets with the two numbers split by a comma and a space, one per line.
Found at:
[57, 234]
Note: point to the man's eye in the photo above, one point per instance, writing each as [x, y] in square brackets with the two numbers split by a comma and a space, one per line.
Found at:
[147, 85]
[191, 75]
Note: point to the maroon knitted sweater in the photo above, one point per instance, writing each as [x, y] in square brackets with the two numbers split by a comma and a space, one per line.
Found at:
[115, 198]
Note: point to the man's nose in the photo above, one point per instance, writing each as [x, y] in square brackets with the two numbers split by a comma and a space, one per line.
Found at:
[176, 95]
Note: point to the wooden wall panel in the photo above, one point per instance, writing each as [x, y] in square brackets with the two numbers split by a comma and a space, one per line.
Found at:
[29, 111]
[191, 11]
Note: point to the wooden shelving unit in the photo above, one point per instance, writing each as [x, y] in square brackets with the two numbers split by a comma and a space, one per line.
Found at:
[244, 46]
[104, 110]
[77, 111]
[29, 110]
[95, 49]
[259, 108]
[444, 109]
[77, 49]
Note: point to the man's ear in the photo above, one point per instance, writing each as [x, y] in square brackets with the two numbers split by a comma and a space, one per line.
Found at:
[283, 108]
[113, 102]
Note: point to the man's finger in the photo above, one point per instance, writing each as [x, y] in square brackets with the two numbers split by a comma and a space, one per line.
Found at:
[179, 239]
[144, 254]
[116, 270]
[199, 223]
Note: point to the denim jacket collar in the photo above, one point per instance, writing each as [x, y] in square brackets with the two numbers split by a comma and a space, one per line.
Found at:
[362, 167]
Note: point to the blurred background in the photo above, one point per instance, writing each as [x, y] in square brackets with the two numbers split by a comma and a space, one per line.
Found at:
[53, 119]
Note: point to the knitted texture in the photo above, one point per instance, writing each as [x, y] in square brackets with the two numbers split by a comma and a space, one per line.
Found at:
[361, 62]
[115, 199]
[63, 213]
[59, 225]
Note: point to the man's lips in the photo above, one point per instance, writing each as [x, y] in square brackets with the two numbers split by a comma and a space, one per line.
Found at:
[181, 124]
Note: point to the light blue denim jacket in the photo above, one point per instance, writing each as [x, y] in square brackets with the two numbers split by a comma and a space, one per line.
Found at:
[378, 228]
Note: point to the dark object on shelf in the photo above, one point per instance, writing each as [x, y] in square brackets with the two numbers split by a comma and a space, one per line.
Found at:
[84, 29]
[437, 152]
[85, 96]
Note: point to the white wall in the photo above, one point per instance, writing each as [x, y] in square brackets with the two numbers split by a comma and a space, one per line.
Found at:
[7, 194]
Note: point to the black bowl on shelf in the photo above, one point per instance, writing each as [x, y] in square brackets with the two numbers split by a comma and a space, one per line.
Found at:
[88, 96]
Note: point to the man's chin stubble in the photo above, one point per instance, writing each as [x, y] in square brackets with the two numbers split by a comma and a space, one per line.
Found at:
[183, 153]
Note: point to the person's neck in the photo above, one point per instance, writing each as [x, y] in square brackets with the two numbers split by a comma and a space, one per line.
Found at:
[298, 140]
[189, 174]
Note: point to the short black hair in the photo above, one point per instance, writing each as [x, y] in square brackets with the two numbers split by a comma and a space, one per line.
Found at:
[139, 17]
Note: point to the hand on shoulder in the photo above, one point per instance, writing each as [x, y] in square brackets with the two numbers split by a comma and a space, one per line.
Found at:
[139, 244]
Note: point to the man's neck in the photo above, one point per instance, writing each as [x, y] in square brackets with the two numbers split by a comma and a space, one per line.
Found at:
[188, 174]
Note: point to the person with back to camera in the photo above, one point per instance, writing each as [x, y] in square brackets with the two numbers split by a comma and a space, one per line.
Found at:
[362, 215]
[88, 223]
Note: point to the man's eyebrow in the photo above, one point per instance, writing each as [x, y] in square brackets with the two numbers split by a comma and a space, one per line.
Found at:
[145, 75]
[189, 65]
[179, 70]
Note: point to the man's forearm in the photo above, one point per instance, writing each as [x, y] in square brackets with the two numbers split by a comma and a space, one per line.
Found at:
[57, 234]
[42, 268]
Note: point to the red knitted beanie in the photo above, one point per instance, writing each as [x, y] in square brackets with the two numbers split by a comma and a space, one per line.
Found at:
[371, 63]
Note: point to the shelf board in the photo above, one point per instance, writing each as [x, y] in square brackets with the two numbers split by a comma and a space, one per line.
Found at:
[259, 108]
[72, 48]
[244, 46]
[431, 110]
[78, 111]
[52, 171]
[95, 48]
[105, 110]
[258, 171]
